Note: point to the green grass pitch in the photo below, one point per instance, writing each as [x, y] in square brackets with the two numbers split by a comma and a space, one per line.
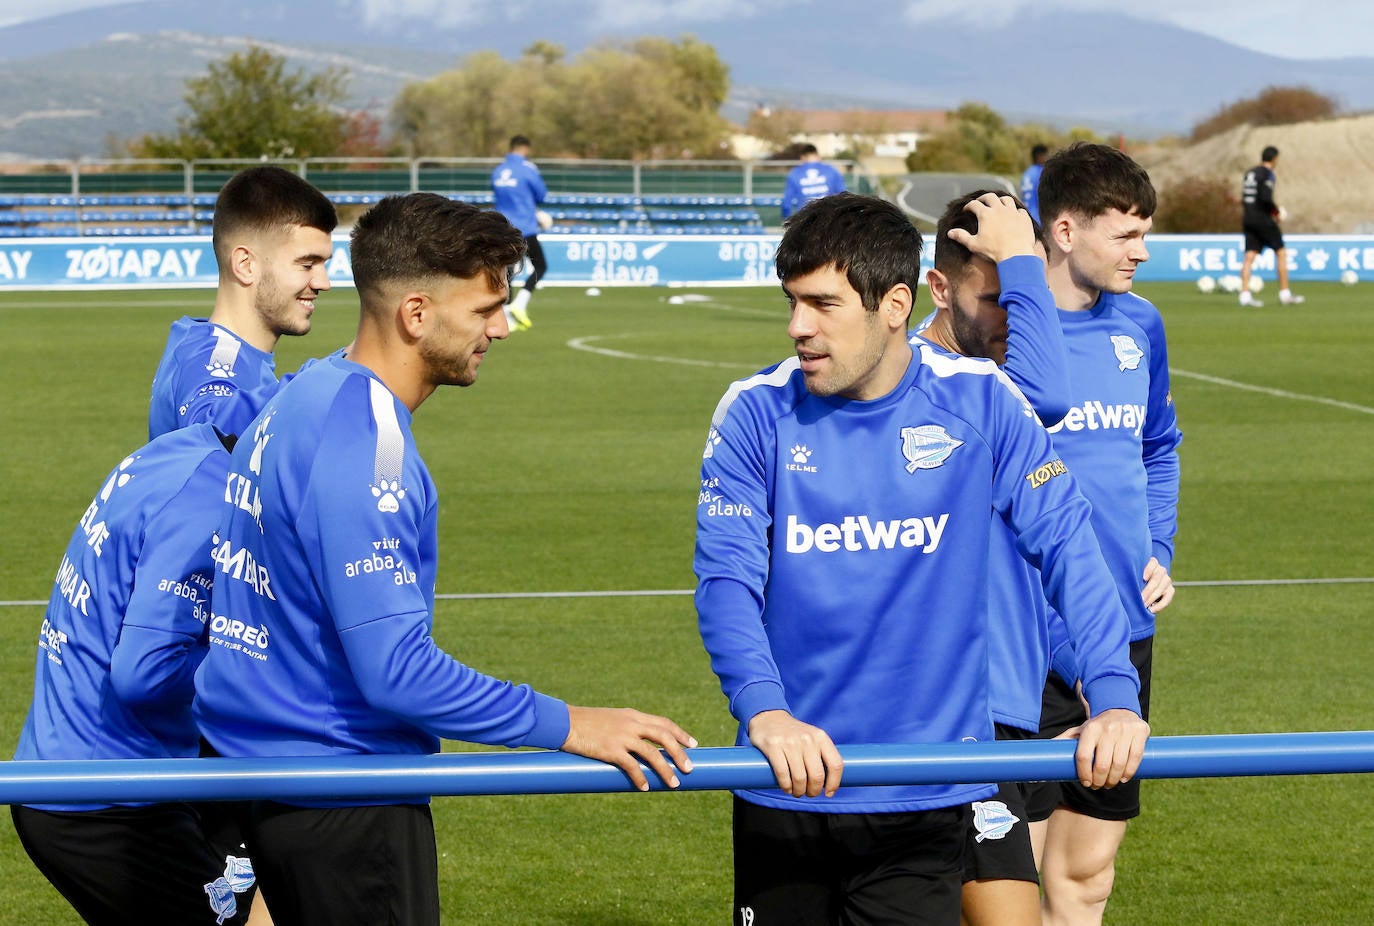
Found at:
[572, 465]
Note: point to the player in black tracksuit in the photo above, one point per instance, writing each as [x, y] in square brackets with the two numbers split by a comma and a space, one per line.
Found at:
[1260, 222]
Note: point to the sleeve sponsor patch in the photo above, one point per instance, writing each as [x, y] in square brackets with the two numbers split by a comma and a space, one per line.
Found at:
[1044, 474]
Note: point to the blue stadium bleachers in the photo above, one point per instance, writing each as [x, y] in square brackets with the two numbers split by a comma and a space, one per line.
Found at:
[131, 215]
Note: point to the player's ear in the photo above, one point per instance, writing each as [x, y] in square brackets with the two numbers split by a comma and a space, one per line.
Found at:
[896, 305]
[1059, 234]
[938, 284]
[413, 309]
[243, 265]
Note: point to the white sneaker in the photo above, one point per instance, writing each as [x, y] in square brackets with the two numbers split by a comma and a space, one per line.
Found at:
[1247, 298]
[1287, 298]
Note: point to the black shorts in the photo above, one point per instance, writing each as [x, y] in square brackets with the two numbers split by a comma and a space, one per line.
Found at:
[794, 868]
[1060, 709]
[539, 264]
[135, 865]
[1262, 231]
[346, 865]
[999, 845]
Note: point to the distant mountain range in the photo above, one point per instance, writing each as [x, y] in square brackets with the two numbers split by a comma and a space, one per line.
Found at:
[69, 82]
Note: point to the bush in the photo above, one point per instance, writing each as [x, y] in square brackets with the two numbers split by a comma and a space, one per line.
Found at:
[1197, 205]
[1273, 106]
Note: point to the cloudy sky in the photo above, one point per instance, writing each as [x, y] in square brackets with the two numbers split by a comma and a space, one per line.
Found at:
[1311, 29]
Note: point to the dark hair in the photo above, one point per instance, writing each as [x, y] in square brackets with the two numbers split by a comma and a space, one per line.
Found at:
[806, 149]
[421, 236]
[1087, 179]
[519, 141]
[266, 199]
[1037, 150]
[1269, 153]
[868, 239]
[950, 255]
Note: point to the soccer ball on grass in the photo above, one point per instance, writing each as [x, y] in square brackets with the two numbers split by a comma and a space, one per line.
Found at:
[1349, 277]
[1206, 284]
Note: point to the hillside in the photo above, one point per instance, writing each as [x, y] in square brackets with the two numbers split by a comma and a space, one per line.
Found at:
[1325, 169]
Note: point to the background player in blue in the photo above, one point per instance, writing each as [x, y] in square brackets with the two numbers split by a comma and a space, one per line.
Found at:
[1030, 180]
[271, 240]
[1120, 437]
[841, 493]
[1260, 217]
[122, 635]
[326, 581]
[811, 179]
[518, 188]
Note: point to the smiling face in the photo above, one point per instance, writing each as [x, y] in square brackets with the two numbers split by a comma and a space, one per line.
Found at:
[1104, 252]
[292, 275]
[462, 319]
[845, 349]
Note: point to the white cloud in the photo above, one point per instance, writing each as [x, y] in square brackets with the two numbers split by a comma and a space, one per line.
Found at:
[1309, 29]
[445, 13]
[622, 14]
[18, 11]
[1314, 29]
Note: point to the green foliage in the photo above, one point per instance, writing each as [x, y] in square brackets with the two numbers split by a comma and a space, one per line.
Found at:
[596, 490]
[1274, 105]
[1197, 205]
[977, 139]
[649, 98]
[249, 106]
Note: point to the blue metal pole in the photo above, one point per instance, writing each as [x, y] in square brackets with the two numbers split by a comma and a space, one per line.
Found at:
[718, 768]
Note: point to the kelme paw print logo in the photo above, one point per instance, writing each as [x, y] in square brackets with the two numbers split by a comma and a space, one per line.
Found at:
[219, 369]
[712, 440]
[260, 439]
[388, 494]
[800, 453]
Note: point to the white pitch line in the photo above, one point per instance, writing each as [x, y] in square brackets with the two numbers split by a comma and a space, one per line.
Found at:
[1280, 393]
[683, 592]
[586, 345]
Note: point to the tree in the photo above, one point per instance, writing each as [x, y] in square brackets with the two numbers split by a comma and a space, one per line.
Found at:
[249, 106]
[650, 98]
[976, 139]
[1273, 105]
[1197, 204]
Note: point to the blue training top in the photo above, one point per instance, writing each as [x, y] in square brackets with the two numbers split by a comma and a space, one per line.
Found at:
[518, 189]
[1120, 437]
[209, 374]
[842, 559]
[124, 627]
[324, 594]
[808, 181]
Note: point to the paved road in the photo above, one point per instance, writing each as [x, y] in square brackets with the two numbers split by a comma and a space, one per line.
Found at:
[923, 196]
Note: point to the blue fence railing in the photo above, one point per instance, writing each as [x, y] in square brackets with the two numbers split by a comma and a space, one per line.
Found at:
[716, 768]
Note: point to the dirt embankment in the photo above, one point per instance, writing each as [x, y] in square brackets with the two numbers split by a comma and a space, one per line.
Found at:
[1325, 170]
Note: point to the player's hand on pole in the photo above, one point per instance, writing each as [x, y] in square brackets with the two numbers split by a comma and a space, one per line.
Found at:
[625, 737]
[1110, 747]
[1159, 586]
[1004, 229]
[802, 756]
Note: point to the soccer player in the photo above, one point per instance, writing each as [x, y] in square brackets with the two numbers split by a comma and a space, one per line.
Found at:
[1030, 180]
[518, 189]
[811, 179]
[271, 241]
[326, 584]
[1260, 217]
[992, 301]
[842, 550]
[123, 632]
[1120, 438]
